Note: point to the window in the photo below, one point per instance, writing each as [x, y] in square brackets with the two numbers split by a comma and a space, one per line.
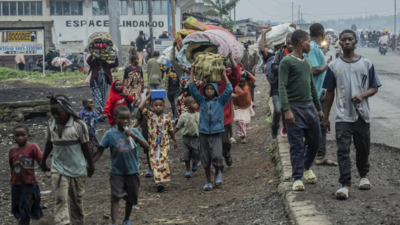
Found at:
[100, 7]
[140, 7]
[123, 7]
[21, 8]
[160, 7]
[66, 8]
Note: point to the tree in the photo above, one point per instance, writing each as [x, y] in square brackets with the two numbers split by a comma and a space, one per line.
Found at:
[227, 23]
[354, 27]
[220, 9]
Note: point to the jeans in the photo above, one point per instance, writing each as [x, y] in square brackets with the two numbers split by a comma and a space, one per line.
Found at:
[21, 66]
[306, 125]
[155, 86]
[30, 67]
[322, 146]
[360, 131]
[131, 107]
[276, 117]
[173, 99]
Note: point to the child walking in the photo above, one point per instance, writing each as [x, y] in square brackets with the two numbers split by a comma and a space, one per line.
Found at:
[189, 123]
[211, 125]
[124, 170]
[160, 128]
[90, 117]
[300, 100]
[68, 139]
[25, 193]
[118, 96]
[133, 81]
[142, 122]
[243, 106]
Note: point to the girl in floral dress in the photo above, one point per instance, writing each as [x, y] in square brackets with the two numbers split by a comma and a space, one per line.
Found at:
[133, 81]
[160, 128]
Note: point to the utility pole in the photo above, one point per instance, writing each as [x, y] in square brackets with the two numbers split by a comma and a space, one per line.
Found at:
[150, 7]
[113, 28]
[395, 13]
[234, 19]
[302, 19]
[292, 12]
[366, 13]
[172, 5]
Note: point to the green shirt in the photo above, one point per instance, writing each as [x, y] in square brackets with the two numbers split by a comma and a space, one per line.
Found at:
[296, 83]
[189, 123]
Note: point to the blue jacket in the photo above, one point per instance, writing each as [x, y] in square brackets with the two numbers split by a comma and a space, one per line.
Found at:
[211, 111]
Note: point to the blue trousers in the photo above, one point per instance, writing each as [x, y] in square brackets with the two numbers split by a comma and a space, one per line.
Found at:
[306, 125]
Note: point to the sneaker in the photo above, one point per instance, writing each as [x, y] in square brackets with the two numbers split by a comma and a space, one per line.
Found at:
[188, 175]
[195, 167]
[218, 179]
[149, 174]
[229, 161]
[160, 187]
[127, 222]
[244, 141]
[207, 187]
[283, 132]
[233, 141]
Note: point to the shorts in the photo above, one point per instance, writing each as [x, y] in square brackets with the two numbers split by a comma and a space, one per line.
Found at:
[23, 197]
[190, 149]
[125, 187]
[210, 149]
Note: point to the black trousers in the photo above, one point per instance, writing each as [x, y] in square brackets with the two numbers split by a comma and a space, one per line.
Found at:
[360, 131]
[226, 142]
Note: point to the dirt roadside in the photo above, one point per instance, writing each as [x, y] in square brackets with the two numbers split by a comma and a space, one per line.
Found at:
[248, 196]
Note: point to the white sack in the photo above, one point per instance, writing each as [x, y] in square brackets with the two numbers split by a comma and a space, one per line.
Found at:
[277, 35]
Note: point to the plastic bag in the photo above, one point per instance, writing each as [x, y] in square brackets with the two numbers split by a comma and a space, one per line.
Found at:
[193, 24]
[277, 35]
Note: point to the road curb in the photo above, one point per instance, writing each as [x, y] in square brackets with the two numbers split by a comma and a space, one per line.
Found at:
[301, 212]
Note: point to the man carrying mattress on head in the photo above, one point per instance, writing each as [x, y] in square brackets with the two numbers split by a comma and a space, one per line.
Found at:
[234, 78]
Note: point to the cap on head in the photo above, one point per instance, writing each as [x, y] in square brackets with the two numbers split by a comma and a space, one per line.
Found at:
[165, 31]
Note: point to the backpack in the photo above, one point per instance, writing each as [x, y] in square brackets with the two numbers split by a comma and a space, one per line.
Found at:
[271, 76]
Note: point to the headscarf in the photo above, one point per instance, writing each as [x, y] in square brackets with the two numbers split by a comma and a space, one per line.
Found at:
[65, 104]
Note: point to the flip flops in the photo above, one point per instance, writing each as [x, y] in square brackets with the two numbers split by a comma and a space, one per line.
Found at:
[207, 187]
[343, 193]
[310, 177]
[298, 186]
[364, 184]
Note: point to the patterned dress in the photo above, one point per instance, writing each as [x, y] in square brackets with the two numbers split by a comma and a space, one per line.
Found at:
[99, 91]
[160, 167]
[134, 85]
[185, 89]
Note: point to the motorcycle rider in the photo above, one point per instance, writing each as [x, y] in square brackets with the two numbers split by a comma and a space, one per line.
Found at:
[383, 40]
[362, 38]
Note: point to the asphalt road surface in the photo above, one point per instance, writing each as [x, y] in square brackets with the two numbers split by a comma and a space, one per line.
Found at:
[385, 105]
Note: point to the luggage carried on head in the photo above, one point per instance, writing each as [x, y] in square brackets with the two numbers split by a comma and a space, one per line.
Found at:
[208, 67]
[277, 35]
[101, 47]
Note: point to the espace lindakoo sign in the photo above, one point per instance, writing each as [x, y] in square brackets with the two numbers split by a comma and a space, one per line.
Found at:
[25, 42]
[106, 23]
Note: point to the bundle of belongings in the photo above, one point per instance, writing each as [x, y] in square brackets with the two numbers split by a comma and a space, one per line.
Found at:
[57, 62]
[277, 35]
[208, 67]
[101, 47]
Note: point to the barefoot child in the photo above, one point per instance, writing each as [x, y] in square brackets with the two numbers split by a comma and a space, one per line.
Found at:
[300, 100]
[211, 125]
[160, 128]
[242, 102]
[353, 90]
[118, 96]
[25, 193]
[142, 122]
[124, 171]
[189, 123]
[133, 81]
[90, 117]
[68, 139]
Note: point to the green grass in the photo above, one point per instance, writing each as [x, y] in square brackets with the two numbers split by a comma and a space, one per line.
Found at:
[6, 73]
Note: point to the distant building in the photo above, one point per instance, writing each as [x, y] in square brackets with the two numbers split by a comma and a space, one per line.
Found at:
[197, 10]
[248, 27]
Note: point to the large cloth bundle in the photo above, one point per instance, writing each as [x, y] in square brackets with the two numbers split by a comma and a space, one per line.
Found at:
[57, 62]
[208, 67]
[101, 46]
[277, 35]
[182, 34]
[193, 24]
[218, 38]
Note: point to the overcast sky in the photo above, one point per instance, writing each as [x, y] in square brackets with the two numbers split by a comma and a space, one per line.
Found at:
[313, 10]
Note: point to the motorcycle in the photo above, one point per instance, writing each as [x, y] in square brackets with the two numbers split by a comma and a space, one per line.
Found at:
[383, 49]
[338, 52]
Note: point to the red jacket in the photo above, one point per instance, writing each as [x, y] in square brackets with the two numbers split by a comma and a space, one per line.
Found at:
[234, 78]
[115, 99]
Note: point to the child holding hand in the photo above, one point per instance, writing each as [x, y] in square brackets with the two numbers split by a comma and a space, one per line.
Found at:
[25, 193]
[160, 128]
[242, 102]
[124, 171]
[189, 123]
[90, 117]
[118, 96]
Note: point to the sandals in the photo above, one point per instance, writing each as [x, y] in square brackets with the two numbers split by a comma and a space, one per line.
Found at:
[326, 162]
[310, 177]
[298, 186]
[343, 193]
[364, 184]
[207, 187]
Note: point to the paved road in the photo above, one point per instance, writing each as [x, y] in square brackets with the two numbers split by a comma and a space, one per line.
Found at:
[385, 106]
